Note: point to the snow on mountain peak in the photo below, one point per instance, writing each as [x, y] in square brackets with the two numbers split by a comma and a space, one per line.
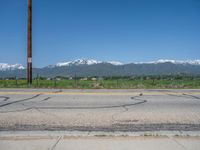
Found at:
[191, 62]
[116, 63]
[160, 61]
[5, 66]
[85, 62]
[78, 62]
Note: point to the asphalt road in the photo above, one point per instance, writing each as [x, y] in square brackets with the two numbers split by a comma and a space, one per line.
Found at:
[99, 110]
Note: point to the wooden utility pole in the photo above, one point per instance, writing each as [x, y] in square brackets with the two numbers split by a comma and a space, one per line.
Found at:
[29, 43]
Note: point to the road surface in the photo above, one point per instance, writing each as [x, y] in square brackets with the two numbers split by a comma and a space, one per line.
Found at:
[99, 119]
[99, 110]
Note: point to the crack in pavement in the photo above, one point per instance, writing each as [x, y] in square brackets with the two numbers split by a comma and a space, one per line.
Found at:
[53, 115]
[127, 109]
[57, 141]
[20, 110]
[49, 114]
[174, 140]
[116, 114]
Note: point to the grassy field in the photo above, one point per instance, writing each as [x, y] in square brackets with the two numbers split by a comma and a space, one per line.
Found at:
[107, 84]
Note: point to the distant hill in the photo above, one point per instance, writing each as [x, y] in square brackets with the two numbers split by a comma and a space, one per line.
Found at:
[88, 67]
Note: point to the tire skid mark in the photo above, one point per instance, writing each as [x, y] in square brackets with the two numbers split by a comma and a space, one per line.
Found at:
[92, 107]
[139, 101]
[5, 98]
[58, 91]
[20, 100]
[25, 109]
[194, 97]
[101, 107]
[46, 99]
[188, 96]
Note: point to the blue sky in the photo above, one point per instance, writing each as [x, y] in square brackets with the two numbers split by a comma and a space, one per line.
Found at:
[122, 30]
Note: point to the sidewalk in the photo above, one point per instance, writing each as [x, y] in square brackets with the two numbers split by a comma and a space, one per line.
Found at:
[98, 142]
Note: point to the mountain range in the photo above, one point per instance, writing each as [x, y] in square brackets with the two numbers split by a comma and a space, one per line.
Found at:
[5, 66]
[91, 67]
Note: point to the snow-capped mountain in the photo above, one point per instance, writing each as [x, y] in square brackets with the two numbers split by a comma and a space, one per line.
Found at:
[85, 62]
[87, 67]
[78, 62]
[160, 61]
[116, 63]
[5, 66]
[191, 62]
